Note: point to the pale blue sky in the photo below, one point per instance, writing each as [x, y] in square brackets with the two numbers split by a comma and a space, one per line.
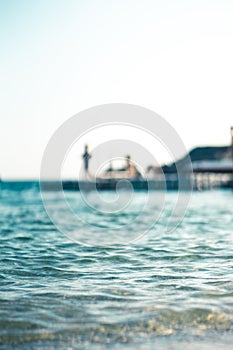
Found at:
[60, 57]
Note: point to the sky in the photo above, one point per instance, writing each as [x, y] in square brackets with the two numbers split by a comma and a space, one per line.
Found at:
[60, 57]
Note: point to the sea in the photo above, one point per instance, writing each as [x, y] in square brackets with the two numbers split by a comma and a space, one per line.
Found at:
[165, 290]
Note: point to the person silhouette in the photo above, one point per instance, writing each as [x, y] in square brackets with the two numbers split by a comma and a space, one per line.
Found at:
[86, 157]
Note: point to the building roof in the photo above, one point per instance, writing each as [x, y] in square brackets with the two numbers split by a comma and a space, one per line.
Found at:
[205, 155]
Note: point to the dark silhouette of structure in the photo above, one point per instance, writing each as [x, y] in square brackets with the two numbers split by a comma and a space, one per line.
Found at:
[199, 155]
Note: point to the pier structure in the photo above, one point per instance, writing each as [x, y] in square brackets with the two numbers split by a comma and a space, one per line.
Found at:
[211, 167]
[215, 174]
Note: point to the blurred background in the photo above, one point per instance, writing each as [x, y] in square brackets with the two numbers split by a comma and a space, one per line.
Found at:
[58, 58]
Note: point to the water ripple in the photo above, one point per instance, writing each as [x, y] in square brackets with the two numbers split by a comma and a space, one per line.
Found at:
[168, 289]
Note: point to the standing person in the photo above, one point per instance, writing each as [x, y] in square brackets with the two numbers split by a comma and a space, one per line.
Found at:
[86, 157]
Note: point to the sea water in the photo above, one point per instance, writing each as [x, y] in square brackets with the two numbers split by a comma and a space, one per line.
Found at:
[165, 291]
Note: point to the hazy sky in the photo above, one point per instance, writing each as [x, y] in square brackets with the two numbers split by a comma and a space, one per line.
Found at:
[60, 57]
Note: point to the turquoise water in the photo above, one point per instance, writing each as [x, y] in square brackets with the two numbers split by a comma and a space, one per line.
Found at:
[163, 292]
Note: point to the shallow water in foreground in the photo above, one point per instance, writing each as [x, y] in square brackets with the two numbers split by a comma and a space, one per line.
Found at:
[166, 292]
